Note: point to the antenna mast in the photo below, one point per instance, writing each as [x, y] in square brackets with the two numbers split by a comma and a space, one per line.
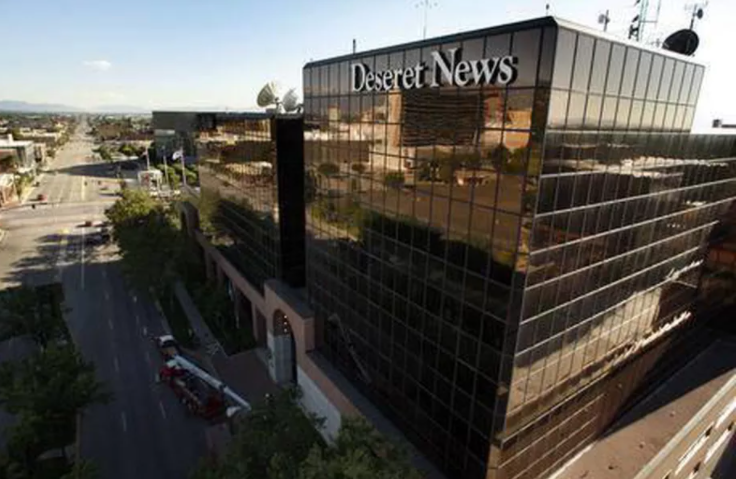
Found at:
[426, 5]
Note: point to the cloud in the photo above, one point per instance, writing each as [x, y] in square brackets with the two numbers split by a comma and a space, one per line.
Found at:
[99, 65]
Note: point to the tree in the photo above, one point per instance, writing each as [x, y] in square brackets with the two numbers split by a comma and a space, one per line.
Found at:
[358, 168]
[149, 239]
[82, 469]
[54, 384]
[447, 169]
[499, 156]
[127, 150]
[328, 169]
[394, 179]
[104, 153]
[22, 314]
[271, 442]
[278, 441]
[359, 452]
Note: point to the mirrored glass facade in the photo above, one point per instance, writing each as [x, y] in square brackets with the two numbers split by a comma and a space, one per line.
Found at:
[244, 197]
[486, 259]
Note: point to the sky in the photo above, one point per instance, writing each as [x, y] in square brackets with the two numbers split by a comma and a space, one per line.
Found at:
[218, 53]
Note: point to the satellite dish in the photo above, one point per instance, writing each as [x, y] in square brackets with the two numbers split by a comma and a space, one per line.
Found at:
[683, 41]
[291, 101]
[269, 95]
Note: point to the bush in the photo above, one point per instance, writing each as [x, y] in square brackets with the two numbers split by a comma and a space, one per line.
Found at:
[394, 179]
[328, 169]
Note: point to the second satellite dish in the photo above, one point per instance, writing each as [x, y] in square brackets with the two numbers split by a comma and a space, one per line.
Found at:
[683, 41]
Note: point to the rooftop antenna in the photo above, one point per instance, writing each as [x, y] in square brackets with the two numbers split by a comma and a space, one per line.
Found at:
[604, 19]
[696, 11]
[546, 9]
[636, 28]
[426, 5]
[355, 46]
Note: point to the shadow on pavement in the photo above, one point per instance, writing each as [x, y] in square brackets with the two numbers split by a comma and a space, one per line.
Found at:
[100, 170]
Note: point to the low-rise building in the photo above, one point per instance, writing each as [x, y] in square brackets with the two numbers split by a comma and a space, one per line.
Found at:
[24, 150]
[683, 429]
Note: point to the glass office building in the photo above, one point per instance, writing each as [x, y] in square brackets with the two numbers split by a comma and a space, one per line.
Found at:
[249, 204]
[504, 233]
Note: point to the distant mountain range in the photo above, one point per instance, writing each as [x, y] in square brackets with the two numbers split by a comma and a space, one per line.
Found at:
[22, 106]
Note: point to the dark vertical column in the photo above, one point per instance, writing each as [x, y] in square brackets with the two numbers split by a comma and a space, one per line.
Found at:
[289, 136]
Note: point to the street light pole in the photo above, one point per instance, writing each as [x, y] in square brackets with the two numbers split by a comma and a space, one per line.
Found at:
[166, 167]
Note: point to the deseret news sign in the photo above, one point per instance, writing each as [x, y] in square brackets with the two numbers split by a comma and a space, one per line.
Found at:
[447, 68]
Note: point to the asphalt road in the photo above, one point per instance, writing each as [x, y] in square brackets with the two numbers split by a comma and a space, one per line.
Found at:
[144, 432]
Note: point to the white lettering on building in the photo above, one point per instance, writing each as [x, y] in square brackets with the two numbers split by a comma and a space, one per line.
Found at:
[448, 69]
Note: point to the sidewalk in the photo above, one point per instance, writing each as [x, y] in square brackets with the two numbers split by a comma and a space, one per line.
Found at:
[244, 372]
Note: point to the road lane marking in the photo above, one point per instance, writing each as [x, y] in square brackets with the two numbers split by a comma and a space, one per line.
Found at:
[124, 421]
[135, 298]
[110, 325]
[117, 365]
[82, 280]
[161, 408]
[145, 331]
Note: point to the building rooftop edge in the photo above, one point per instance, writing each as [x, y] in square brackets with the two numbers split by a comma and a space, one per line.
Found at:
[500, 29]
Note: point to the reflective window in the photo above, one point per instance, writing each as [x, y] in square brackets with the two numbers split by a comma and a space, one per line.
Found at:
[583, 63]
[655, 77]
[564, 55]
[615, 70]
[643, 75]
[631, 67]
[600, 66]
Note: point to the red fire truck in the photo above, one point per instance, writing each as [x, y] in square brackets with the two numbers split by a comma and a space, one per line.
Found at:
[202, 394]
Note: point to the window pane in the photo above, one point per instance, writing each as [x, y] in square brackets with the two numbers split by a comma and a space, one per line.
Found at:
[600, 66]
[654, 77]
[563, 58]
[558, 109]
[642, 75]
[677, 82]
[628, 78]
[583, 59]
[526, 47]
[695, 89]
[615, 69]
[667, 72]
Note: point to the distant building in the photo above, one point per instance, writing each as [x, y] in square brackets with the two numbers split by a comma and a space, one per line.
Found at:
[47, 138]
[24, 150]
[682, 430]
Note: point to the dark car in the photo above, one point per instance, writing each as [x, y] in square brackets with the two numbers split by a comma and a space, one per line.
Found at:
[129, 165]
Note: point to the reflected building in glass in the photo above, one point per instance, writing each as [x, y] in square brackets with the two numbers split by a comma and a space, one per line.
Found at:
[504, 233]
[249, 202]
